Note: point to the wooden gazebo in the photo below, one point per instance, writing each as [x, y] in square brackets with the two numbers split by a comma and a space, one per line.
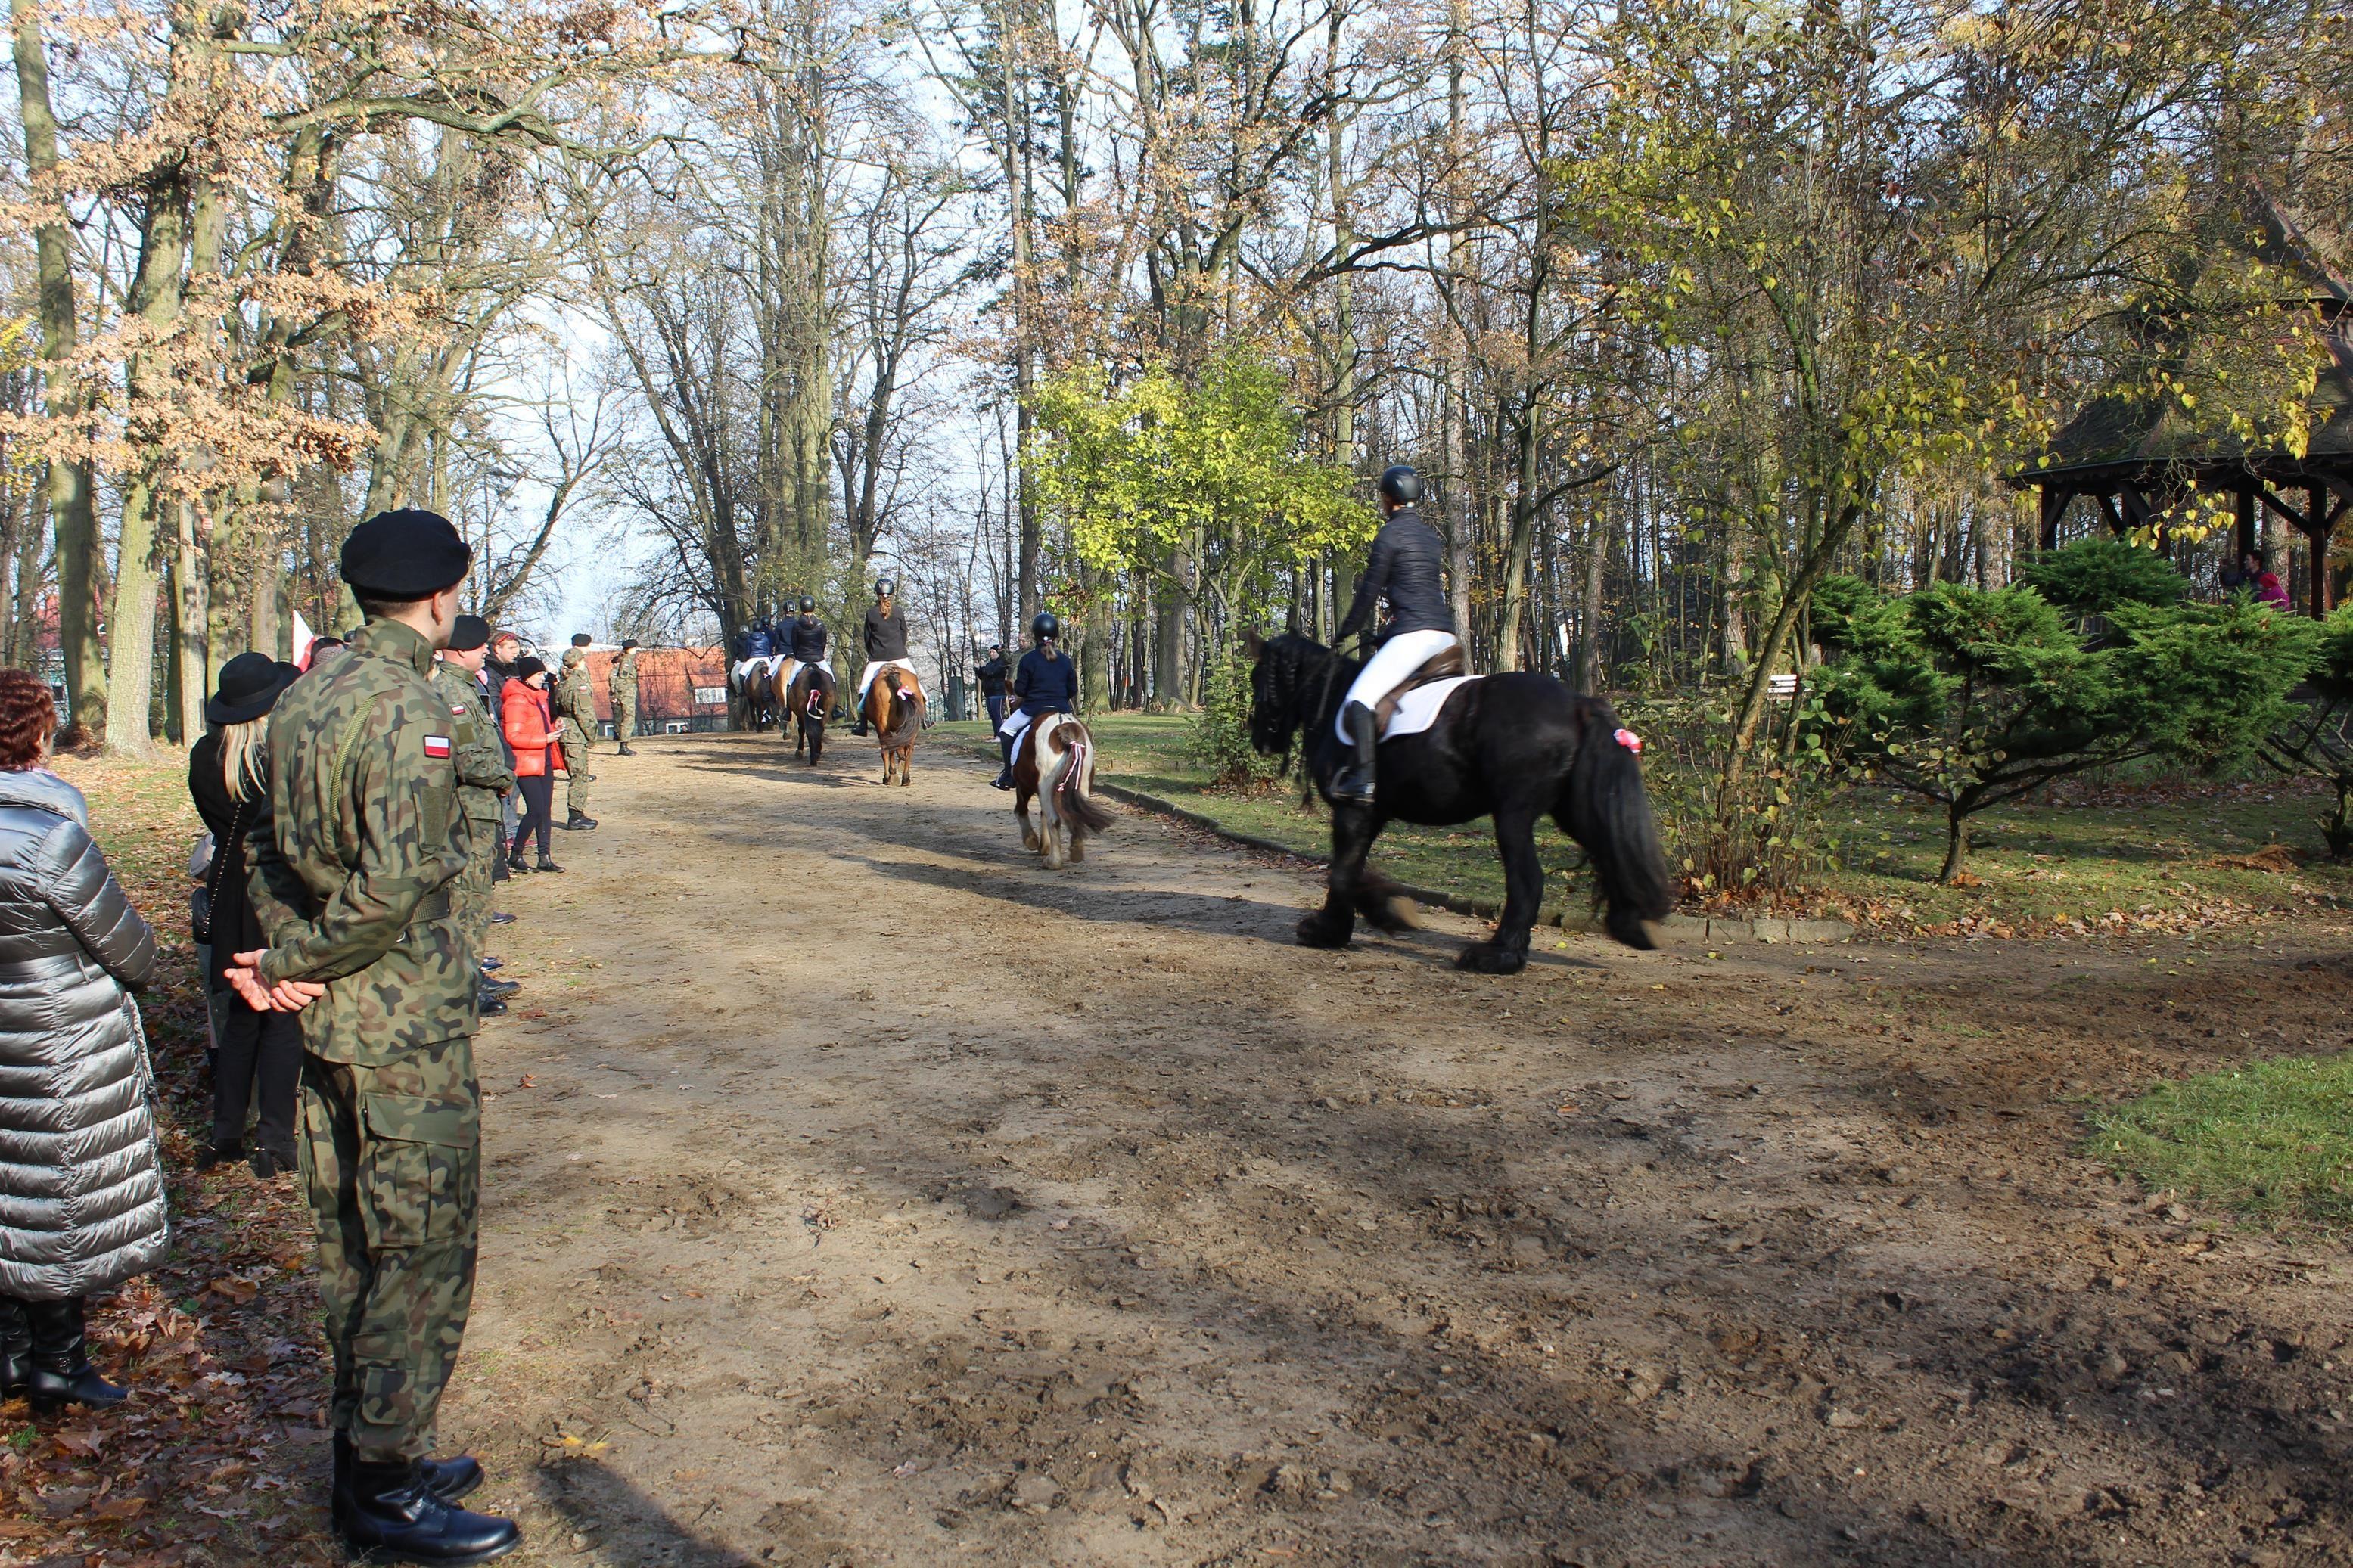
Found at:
[2135, 459]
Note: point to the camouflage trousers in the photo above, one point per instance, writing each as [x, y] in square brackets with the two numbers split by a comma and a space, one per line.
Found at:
[624, 717]
[469, 894]
[391, 1157]
[578, 747]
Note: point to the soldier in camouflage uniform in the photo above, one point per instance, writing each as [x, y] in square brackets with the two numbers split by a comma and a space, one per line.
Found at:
[352, 882]
[576, 714]
[624, 692]
[483, 779]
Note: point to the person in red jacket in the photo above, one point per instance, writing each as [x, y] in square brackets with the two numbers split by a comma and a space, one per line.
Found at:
[529, 725]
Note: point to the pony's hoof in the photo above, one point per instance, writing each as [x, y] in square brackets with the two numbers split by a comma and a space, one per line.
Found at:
[1315, 931]
[1486, 958]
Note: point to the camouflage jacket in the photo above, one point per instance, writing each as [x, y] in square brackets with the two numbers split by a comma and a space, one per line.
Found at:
[624, 680]
[576, 703]
[351, 885]
[482, 771]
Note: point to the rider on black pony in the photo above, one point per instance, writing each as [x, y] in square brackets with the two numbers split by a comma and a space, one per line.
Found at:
[1404, 569]
[804, 645]
[1046, 681]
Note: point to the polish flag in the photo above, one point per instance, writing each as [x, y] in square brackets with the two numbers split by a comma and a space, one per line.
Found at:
[304, 638]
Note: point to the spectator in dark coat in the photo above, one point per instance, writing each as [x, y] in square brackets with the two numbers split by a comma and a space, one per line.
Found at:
[228, 778]
[82, 1181]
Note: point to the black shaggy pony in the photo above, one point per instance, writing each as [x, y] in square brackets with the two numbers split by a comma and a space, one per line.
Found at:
[1511, 746]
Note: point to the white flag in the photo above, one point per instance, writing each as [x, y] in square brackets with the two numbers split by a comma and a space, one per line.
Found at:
[304, 638]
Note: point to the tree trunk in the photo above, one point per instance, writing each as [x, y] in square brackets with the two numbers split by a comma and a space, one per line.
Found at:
[189, 646]
[1588, 611]
[72, 509]
[1957, 842]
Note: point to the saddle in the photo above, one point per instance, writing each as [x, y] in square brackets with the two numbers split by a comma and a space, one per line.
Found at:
[1443, 666]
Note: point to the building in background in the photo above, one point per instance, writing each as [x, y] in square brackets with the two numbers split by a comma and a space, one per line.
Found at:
[681, 690]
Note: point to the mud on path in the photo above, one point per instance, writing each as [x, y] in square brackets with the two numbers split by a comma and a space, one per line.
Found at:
[859, 1193]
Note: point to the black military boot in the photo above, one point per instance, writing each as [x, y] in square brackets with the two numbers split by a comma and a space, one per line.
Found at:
[61, 1372]
[1355, 780]
[499, 987]
[16, 1348]
[391, 1511]
[579, 822]
[627, 751]
[450, 1479]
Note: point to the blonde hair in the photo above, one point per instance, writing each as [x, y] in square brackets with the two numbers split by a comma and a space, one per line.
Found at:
[245, 755]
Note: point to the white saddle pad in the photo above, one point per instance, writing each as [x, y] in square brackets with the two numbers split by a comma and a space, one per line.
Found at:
[1417, 710]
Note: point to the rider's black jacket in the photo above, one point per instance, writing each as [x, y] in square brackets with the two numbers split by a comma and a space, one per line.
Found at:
[886, 636]
[1046, 685]
[1403, 569]
[807, 639]
[992, 677]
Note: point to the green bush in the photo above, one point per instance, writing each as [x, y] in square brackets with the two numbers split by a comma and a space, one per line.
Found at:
[2315, 738]
[1973, 698]
[2097, 576]
[1218, 737]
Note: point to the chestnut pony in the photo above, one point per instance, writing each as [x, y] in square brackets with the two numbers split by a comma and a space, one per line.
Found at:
[1054, 761]
[895, 710]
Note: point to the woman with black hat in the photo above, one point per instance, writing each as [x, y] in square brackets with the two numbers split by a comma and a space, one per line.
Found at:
[529, 725]
[228, 775]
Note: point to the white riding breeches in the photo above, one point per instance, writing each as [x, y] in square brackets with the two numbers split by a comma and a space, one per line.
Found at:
[876, 666]
[742, 673]
[1391, 665]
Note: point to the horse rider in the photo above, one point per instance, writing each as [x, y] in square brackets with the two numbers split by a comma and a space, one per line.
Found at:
[803, 638]
[1404, 569]
[992, 676]
[1046, 681]
[886, 645]
[756, 644]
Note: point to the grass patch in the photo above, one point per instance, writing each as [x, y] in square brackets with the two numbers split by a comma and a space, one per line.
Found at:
[2274, 1141]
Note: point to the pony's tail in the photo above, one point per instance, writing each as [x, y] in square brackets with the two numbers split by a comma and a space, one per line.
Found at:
[1068, 789]
[1602, 806]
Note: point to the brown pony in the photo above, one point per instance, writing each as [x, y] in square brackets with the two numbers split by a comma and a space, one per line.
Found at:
[1055, 762]
[895, 710]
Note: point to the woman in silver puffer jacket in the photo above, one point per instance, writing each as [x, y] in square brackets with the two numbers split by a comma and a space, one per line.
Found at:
[82, 1181]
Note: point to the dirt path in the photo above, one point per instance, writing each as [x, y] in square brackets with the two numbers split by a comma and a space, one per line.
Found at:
[861, 1194]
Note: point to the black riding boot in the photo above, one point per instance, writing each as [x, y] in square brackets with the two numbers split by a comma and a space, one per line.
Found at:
[61, 1372]
[450, 1479]
[1355, 781]
[394, 1509]
[1005, 779]
[16, 1348]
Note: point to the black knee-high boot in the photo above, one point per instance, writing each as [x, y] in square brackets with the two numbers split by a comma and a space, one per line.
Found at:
[16, 1348]
[62, 1374]
[1355, 781]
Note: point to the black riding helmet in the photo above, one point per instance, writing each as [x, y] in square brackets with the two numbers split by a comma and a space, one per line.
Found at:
[1402, 484]
[809, 606]
[885, 586]
[1048, 625]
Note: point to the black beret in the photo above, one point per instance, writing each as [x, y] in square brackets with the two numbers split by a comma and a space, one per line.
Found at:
[470, 633]
[403, 555]
[580, 639]
[628, 642]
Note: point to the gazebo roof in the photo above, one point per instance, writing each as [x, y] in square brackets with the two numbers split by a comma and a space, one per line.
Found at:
[2116, 438]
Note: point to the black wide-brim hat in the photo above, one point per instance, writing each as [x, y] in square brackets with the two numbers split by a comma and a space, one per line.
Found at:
[249, 685]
